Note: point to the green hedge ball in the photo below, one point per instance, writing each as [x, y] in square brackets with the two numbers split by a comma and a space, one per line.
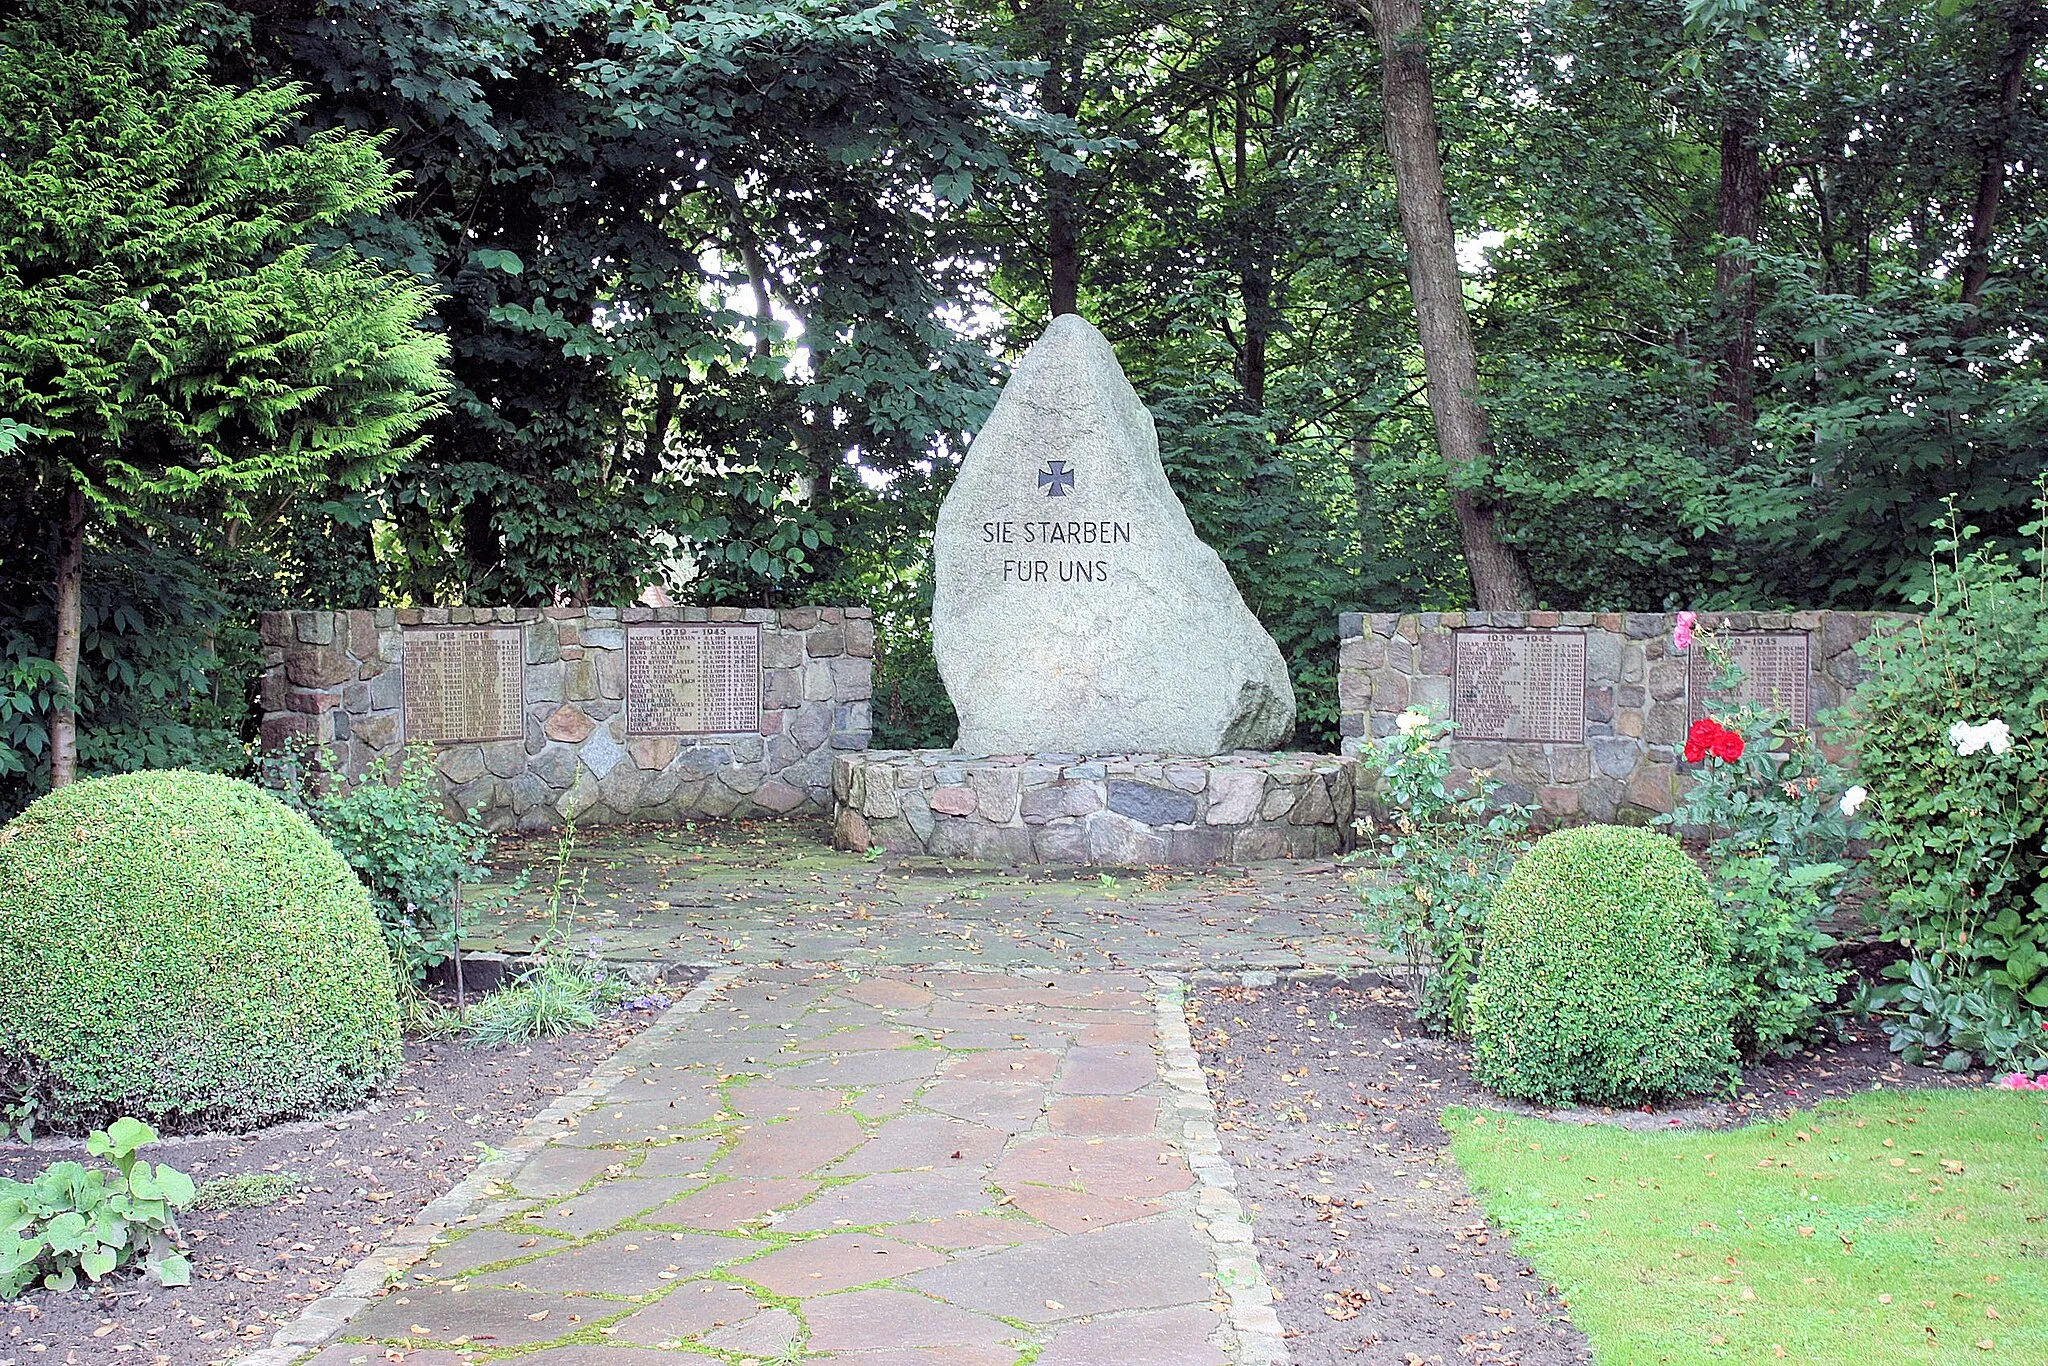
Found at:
[184, 948]
[1605, 977]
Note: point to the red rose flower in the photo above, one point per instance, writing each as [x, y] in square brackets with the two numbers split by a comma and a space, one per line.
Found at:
[1709, 736]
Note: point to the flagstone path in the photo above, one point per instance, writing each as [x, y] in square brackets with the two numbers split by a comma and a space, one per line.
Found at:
[922, 1114]
[940, 1168]
[776, 892]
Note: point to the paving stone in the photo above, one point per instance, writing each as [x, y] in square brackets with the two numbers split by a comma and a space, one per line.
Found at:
[693, 1308]
[630, 1263]
[792, 1147]
[1166, 1337]
[1120, 1168]
[766, 1334]
[892, 1198]
[865, 1038]
[866, 1320]
[607, 1205]
[1156, 1264]
[1104, 1116]
[1116, 1070]
[768, 1100]
[485, 1247]
[1016, 1064]
[819, 1266]
[631, 1123]
[968, 1231]
[1071, 1211]
[865, 1069]
[684, 1157]
[363, 1354]
[1010, 1106]
[497, 1318]
[560, 1170]
[730, 1205]
[894, 992]
[922, 1141]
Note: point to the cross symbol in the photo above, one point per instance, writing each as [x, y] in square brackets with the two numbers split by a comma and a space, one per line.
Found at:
[1055, 479]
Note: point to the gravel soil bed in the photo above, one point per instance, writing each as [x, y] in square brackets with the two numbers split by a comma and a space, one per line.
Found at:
[358, 1176]
[1328, 1097]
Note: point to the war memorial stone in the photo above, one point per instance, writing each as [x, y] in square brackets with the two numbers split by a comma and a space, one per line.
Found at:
[1075, 608]
[1119, 704]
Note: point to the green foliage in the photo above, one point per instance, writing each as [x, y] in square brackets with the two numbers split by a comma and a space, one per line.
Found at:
[1776, 865]
[72, 1219]
[1605, 977]
[184, 340]
[556, 996]
[1442, 855]
[393, 827]
[251, 983]
[170, 319]
[245, 1190]
[160, 650]
[1960, 841]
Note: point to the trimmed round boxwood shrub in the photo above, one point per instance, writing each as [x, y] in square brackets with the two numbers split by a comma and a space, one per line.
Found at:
[1605, 974]
[182, 947]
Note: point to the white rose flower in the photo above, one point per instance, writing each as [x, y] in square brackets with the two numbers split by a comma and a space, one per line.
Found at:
[1853, 799]
[1993, 735]
[1410, 721]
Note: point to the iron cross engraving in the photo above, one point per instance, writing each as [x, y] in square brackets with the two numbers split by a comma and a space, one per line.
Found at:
[1056, 479]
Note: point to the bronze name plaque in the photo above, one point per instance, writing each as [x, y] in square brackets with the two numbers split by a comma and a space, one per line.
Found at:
[1774, 675]
[1519, 685]
[464, 683]
[693, 680]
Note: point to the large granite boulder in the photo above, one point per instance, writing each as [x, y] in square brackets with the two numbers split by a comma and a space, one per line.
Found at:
[1076, 609]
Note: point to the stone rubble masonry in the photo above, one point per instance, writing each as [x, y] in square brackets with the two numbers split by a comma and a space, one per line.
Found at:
[1122, 810]
[334, 679]
[1630, 767]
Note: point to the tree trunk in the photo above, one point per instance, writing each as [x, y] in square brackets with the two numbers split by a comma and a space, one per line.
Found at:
[2025, 24]
[1741, 211]
[1060, 93]
[70, 599]
[1500, 581]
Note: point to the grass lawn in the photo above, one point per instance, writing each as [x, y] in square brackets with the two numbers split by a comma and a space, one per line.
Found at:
[1895, 1227]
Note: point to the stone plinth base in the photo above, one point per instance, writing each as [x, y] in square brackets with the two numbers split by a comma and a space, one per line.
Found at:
[1123, 810]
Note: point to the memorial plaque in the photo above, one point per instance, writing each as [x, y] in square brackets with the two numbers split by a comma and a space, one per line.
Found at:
[464, 683]
[1774, 674]
[693, 680]
[1519, 685]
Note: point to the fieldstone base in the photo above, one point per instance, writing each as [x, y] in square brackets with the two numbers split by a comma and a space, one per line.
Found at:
[1122, 810]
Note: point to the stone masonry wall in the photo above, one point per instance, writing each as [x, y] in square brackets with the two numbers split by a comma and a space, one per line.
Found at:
[1123, 810]
[1629, 766]
[335, 679]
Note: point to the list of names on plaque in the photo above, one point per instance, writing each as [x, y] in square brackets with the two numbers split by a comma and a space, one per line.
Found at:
[693, 680]
[1774, 674]
[464, 683]
[1519, 685]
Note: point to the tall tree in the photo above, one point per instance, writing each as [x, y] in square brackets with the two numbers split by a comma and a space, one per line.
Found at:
[170, 328]
[1500, 579]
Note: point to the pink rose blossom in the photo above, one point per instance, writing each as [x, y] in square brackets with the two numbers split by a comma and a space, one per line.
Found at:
[1681, 634]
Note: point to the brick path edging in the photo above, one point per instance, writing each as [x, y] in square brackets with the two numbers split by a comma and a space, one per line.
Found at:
[323, 1320]
[1260, 1339]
